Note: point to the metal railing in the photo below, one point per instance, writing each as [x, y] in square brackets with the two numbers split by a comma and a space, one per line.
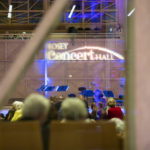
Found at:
[19, 36]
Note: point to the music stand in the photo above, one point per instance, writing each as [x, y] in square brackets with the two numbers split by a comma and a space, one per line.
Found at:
[62, 88]
[49, 88]
[41, 88]
[88, 93]
[108, 93]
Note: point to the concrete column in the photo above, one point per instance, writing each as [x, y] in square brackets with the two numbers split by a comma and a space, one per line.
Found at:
[142, 73]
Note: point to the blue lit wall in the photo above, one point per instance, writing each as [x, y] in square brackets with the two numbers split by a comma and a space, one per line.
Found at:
[104, 74]
[91, 13]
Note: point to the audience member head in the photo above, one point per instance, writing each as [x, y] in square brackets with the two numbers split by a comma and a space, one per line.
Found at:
[17, 105]
[18, 111]
[93, 106]
[120, 126]
[61, 98]
[73, 109]
[53, 99]
[36, 107]
[111, 102]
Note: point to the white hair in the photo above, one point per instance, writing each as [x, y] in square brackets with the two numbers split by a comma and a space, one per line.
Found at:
[34, 105]
[120, 125]
[73, 109]
[17, 105]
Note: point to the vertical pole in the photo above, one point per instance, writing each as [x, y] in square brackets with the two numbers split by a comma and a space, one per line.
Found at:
[45, 69]
[28, 13]
[83, 16]
[130, 81]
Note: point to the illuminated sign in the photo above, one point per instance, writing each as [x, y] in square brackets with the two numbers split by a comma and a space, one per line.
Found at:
[58, 51]
[57, 46]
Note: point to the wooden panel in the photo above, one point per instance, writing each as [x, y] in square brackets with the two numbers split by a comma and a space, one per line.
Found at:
[33, 84]
[116, 73]
[77, 69]
[57, 70]
[20, 91]
[99, 83]
[20, 136]
[72, 73]
[115, 86]
[75, 84]
[96, 69]
[83, 136]
[36, 69]
[13, 48]
[2, 50]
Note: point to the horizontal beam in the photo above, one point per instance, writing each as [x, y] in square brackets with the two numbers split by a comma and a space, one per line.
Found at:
[42, 11]
[62, 26]
[22, 11]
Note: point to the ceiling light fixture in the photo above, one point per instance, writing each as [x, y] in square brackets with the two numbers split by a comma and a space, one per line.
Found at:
[9, 15]
[10, 11]
[131, 12]
[73, 7]
[10, 8]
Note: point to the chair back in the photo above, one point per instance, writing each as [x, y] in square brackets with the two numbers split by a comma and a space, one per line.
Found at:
[83, 136]
[25, 135]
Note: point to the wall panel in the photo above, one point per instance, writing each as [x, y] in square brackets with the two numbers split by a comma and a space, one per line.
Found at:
[102, 74]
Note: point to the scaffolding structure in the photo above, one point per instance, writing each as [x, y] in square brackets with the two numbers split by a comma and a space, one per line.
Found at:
[95, 15]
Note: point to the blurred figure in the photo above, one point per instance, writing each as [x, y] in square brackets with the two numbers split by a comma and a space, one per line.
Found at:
[15, 106]
[120, 126]
[35, 107]
[58, 107]
[73, 109]
[53, 99]
[52, 114]
[120, 130]
[98, 97]
[83, 98]
[18, 112]
[102, 112]
[98, 112]
[113, 111]
[93, 114]
[2, 117]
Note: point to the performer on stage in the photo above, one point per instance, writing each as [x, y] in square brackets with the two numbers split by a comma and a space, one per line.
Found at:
[98, 97]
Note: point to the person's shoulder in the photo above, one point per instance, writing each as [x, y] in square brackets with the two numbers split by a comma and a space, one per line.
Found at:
[111, 108]
[118, 107]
